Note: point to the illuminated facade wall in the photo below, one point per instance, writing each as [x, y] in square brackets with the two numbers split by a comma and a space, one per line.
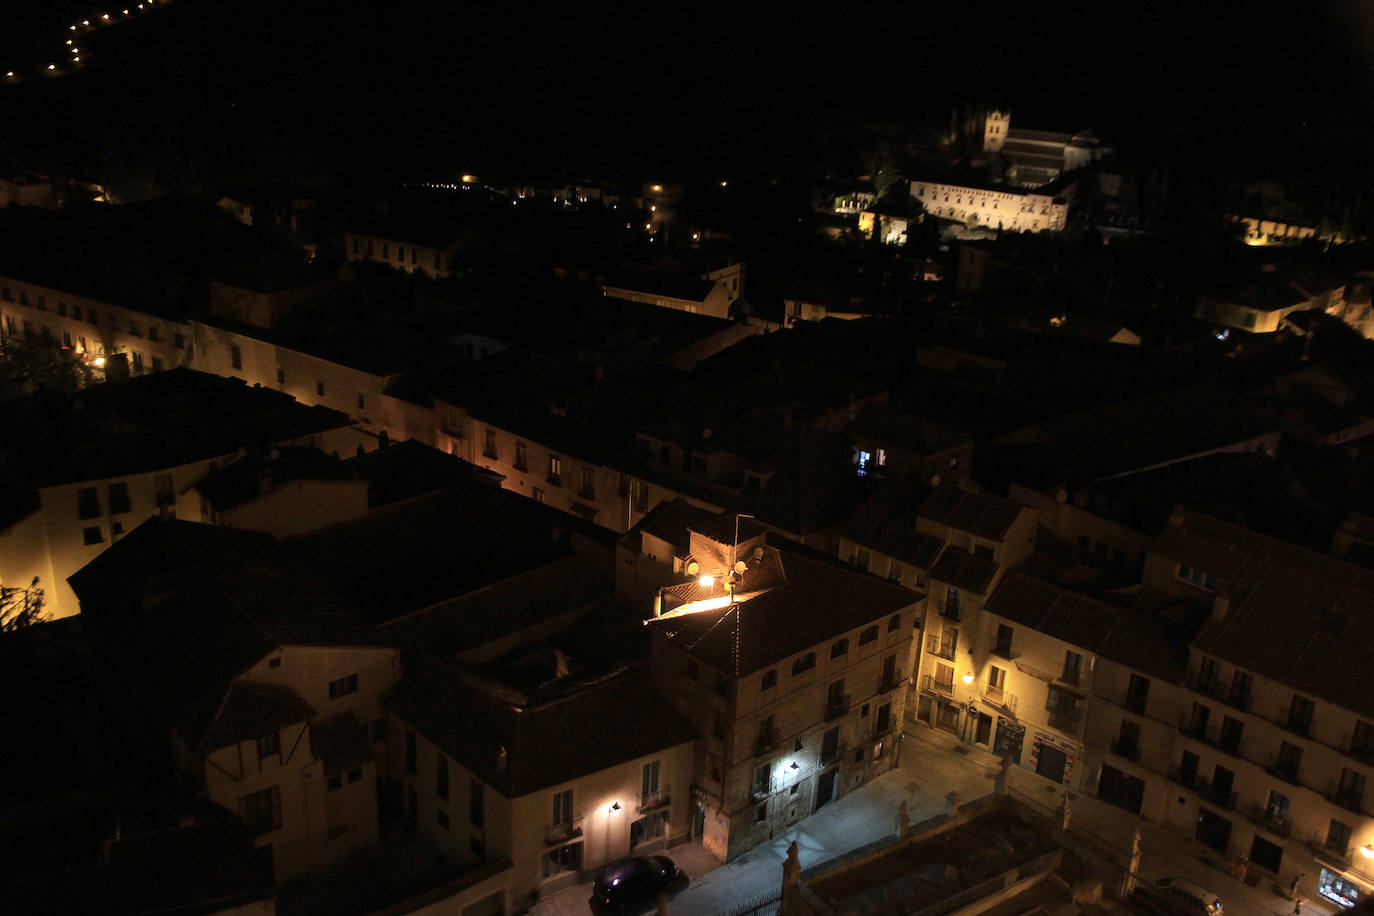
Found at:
[760, 725]
[91, 328]
[322, 817]
[550, 849]
[399, 254]
[1003, 208]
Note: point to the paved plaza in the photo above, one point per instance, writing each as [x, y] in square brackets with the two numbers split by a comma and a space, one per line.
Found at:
[932, 764]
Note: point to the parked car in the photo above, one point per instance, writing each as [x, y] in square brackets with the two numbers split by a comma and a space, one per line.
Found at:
[1183, 897]
[635, 883]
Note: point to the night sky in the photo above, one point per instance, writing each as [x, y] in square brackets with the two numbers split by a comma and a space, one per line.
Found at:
[418, 89]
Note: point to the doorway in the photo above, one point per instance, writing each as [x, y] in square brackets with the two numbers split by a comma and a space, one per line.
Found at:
[1010, 736]
[1120, 789]
[1050, 762]
[825, 788]
[982, 731]
[1265, 854]
[1213, 830]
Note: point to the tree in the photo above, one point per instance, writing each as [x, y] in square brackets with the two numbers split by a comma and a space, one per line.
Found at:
[20, 607]
[27, 367]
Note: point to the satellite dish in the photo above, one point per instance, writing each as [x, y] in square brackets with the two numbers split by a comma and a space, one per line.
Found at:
[740, 567]
[693, 567]
[935, 480]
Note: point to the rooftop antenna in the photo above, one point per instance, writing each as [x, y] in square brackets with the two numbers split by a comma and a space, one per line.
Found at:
[734, 561]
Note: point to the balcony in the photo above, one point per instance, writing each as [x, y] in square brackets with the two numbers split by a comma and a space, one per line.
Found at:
[762, 789]
[1271, 820]
[1002, 648]
[1066, 720]
[831, 754]
[931, 685]
[890, 682]
[1285, 769]
[1298, 725]
[993, 694]
[1238, 697]
[1135, 702]
[1361, 752]
[660, 798]
[1348, 798]
[1189, 780]
[1331, 851]
[1220, 796]
[555, 480]
[1204, 684]
[950, 610]
[558, 833]
[936, 648]
[1128, 749]
[766, 741]
[836, 706]
[1193, 728]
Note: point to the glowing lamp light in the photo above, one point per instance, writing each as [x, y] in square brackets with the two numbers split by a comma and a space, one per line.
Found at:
[52, 66]
[658, 187]
[99, 361]
[76, 60]
[968, 679]
[1367, 850]
[69, 41]
[73, 28]
[706, 581]
[106, 17]
[9, 74]
[86, 23]
[724, 183]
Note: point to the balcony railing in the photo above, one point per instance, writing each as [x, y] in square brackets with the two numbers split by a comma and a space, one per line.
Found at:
[1347, 798]
[950, 610]
[1186, 779]
[555, 479]
[1066, 720]
[1128, 749]
[1271, 820]
[1298, 725]
[659, 798]
[1334, 852]
[993, 694]
[1361, 752]
[1002, 647]
[1193, 728]
[934, 647]
[883, 725]
[1135, 702]
[1206, 684]
[836, 706]
[1239, 697]
[831, 754]
[1220, 796]
[563, 831]
[762, 789]
[767, 740]
[931, 685]
[1285, 769]
[890, 682]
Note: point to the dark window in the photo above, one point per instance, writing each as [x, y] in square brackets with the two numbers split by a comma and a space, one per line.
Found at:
[476, 811]
[362, 402]
[1073, 666]
[761, 813]
[91, 535]
[235, 356]
[770, 679]
[157, 364]
[261, 811]
[343, 686]
[281, 376]
[319, 389]
[894, 623]
[76, 311]
[87, 503]
[178, 341]
[1137, 693]
[335, 782]
[1300, 714]
[269, 745]
[868, 635]
[521, 458]
[119, 498]
[803, 663]
[489, 444]
[441, 777]
[839, 647]
[153, 332]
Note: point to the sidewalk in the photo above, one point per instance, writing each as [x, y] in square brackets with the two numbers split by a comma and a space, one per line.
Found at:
[932, 764]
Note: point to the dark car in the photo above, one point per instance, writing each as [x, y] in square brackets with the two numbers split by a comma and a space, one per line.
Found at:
[632, 884]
